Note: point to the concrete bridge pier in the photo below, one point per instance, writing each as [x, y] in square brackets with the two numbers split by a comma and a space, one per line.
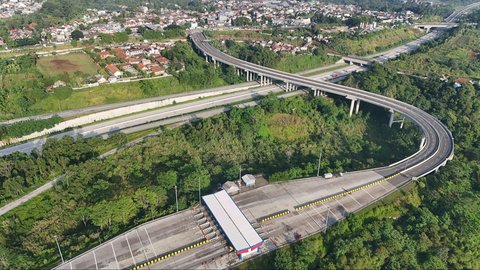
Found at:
[352, 105]
[317, 93]
[264, 80]
[422, 143]
[392, 119]
[357, 107]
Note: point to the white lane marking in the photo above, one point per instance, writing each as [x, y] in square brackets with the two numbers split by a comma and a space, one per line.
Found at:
[368, 193]
[353, 198]
[381, 185]
[345, 208]
[331, 212]
[141, 244]
[95, 259]
[129, 248]
[150, 240]
[115, 255]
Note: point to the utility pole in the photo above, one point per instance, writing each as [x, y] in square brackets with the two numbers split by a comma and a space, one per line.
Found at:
[59, 250]
[319, 159]
[176, 197]
[199, 193]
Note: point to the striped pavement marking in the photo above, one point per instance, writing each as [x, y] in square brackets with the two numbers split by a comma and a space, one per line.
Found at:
[301, 207]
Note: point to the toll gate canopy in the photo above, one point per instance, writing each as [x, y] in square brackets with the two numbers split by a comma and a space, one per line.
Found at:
[233, 222]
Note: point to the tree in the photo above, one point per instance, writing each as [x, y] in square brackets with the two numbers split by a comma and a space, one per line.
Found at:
[167, 180]
[13, 187]
[120, 37]
[197, 175]
[77, 34]
[283, 259]
[124, 209]
[242, 21]
[101, 214]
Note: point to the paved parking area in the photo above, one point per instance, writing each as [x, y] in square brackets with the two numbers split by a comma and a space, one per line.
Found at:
[141, 243]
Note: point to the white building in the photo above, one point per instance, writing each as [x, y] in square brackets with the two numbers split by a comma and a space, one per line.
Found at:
[230, 187]
[249, 180]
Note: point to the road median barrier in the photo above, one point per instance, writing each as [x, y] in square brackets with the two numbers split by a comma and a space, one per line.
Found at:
[169, 254]
[273, 216]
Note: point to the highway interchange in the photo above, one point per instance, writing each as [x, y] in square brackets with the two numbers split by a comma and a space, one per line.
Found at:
[271, 199]
[436, 151]
[439, 140]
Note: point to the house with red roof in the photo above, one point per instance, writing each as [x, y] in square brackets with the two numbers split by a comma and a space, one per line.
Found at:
[113, 70]
[162, 60]
[120, 53]
[158, 71]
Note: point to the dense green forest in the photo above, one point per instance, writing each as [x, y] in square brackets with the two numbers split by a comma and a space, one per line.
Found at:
[20, 173]
[99, 198]
[433, 224]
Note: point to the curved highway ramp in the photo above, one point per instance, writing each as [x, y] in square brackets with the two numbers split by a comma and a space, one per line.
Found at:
[281, 213]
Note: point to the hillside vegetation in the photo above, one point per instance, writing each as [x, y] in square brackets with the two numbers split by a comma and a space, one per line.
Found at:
[370, 43]
[433, 224]
[100, 198]
[24, 79]
[456, 56]
[283, 61]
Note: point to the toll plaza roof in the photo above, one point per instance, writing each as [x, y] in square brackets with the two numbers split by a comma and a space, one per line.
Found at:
[232, 221]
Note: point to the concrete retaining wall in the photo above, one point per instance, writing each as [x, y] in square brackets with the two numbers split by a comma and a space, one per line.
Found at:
[88, 119]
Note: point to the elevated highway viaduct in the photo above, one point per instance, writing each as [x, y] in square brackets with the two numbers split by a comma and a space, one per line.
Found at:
[438, 143]
[281, 213]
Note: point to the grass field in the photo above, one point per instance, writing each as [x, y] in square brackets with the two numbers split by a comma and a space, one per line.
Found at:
[112, 93]
[302, 62]
[318, 72]
[288, 127]
[70, 63]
